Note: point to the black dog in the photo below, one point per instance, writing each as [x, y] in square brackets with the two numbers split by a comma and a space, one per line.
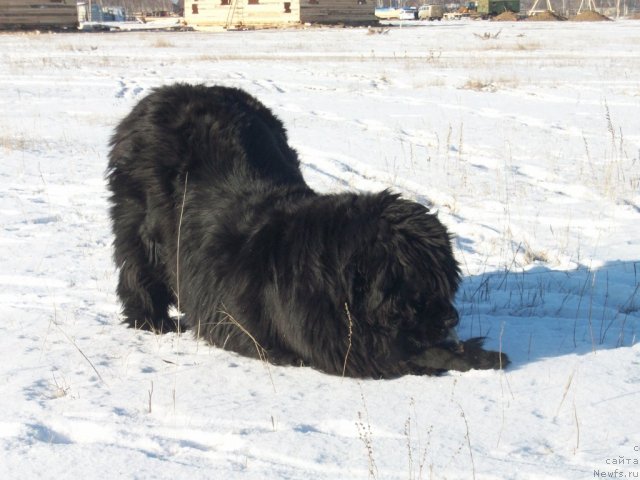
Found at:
[211, 213]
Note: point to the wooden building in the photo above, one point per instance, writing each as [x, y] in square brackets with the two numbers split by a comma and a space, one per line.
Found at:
[38, 14]
[267, 13]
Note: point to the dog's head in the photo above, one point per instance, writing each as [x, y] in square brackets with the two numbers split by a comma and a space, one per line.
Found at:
[402, 275]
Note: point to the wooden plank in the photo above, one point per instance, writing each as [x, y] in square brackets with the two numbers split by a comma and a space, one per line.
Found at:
[337, 11]
[30, 20]
[29, 2]
[35, 19]
[37, 11]
[37, 3]
[62, 13]
[267, 12]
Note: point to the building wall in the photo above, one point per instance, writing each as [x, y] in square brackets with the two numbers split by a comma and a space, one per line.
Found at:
[277, 12]
[337, 11]
[224, 13]
[35, 13]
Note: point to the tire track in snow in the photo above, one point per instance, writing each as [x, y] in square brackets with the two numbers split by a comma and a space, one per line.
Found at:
[128, 89]
[331, 168]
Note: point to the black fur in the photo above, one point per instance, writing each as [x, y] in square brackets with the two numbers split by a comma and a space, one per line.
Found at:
[204, 183]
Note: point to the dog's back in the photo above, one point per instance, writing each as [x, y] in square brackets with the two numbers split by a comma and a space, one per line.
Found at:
[213, 138]
[215, 130]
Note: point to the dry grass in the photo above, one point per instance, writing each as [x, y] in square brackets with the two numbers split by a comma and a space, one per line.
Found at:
[414, 444]
[260, 350]
[480, 85]
[346, 356]
[527, 46]
[162, 43]
[366, 436]
[490, 85]
[531, 256]
[60, 388]
[72, 47]
[613, 172]
[468, 440]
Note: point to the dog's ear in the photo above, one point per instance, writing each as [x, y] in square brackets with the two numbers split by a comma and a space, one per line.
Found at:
[403, 239]
[373, 272]
[411, 221]
[396, 248]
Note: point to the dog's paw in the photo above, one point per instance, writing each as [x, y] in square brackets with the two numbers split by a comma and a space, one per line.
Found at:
[482, 359]
[461, 357]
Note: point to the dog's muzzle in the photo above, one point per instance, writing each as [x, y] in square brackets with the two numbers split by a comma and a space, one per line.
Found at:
[453, 340]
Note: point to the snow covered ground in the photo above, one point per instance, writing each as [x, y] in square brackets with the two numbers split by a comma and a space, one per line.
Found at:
[527, 144]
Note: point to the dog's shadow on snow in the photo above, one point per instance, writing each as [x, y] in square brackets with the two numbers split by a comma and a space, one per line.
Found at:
[539, 312]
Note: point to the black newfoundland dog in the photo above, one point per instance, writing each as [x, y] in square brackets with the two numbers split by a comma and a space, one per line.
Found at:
[211, 214]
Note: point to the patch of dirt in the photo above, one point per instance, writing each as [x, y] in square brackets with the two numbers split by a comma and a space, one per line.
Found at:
[547, 16]
[506, 17]
[590, 16]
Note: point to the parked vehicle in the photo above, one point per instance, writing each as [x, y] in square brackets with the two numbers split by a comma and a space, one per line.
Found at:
[387, 13]
[409, 13]
[496, 7]
[430, 12]
[453, 16]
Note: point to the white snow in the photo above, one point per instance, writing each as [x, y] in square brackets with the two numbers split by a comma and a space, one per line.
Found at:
[528, 146]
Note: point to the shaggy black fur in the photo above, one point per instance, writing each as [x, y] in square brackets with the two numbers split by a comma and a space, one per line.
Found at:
[211, 213]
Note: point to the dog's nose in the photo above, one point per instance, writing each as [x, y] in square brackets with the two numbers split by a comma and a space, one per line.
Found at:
[452, 337]
[452, 320]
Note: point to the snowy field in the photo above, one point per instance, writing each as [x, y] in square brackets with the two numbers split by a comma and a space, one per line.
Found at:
[528, 146]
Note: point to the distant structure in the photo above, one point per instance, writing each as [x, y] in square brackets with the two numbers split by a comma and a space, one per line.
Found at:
[568, 8]
[534, 8]
[587, 5]
[266, 13]
[57, 14]
[95, 12]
